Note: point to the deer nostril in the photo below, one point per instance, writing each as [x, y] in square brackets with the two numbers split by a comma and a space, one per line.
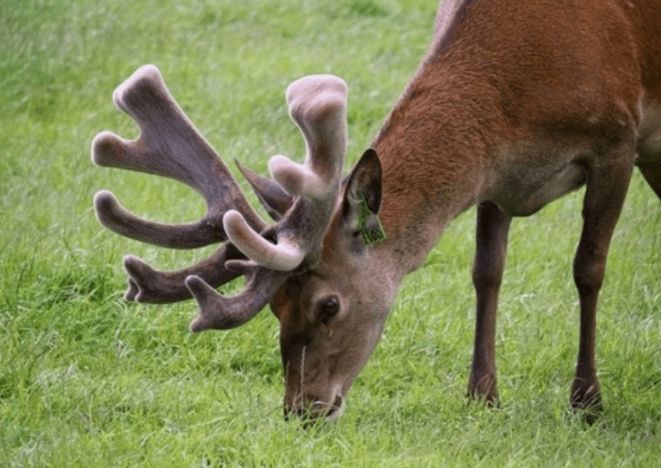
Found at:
[290, 411]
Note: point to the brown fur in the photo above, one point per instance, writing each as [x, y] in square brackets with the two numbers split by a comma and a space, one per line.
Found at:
[516, 104]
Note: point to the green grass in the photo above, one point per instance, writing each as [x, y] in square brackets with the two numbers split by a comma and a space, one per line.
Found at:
[89, 380]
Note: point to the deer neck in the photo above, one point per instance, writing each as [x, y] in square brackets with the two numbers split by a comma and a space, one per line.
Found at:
[434, 154]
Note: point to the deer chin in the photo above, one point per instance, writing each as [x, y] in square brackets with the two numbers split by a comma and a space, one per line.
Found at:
[317, 410]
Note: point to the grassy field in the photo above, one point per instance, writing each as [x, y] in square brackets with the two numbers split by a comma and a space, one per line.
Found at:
[88, 380]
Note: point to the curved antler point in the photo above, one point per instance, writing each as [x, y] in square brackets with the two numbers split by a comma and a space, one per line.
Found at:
[131, 259]
[133, 292]
[102, 147]
[241, 266]
[146, 73]
[316, 84]
[149, 68]
[197, 286]
[134, 266]
[102, 197]
[197, 325]
[202, 293]
[105, 204]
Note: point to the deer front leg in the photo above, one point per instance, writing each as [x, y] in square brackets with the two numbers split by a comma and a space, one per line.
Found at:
[491, 238]
[607, 184]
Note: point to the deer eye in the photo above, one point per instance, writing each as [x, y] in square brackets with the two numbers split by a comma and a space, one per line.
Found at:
[327, 308]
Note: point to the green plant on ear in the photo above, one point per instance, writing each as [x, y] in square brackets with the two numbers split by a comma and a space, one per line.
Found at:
[369, 225]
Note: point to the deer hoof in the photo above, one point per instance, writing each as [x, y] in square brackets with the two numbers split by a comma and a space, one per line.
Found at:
[484, 389]
[586, 399]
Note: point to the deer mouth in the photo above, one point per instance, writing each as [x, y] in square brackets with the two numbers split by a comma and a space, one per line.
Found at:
[317, 410]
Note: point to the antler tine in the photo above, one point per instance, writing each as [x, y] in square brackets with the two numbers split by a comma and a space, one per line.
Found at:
[222, 313]
[149, 285]
[273, 198]
[169, 145]
[317, 105]
[175, 236]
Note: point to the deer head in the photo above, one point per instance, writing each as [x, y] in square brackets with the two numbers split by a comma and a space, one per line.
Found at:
[312, 265]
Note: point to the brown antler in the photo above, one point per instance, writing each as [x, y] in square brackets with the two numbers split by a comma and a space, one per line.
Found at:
[162, 287]
[317, 104]
[169, 145]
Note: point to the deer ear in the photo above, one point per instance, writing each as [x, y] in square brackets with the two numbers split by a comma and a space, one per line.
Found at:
[362, 199]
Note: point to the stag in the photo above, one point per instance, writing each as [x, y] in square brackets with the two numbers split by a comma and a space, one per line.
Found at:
[514, 105]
